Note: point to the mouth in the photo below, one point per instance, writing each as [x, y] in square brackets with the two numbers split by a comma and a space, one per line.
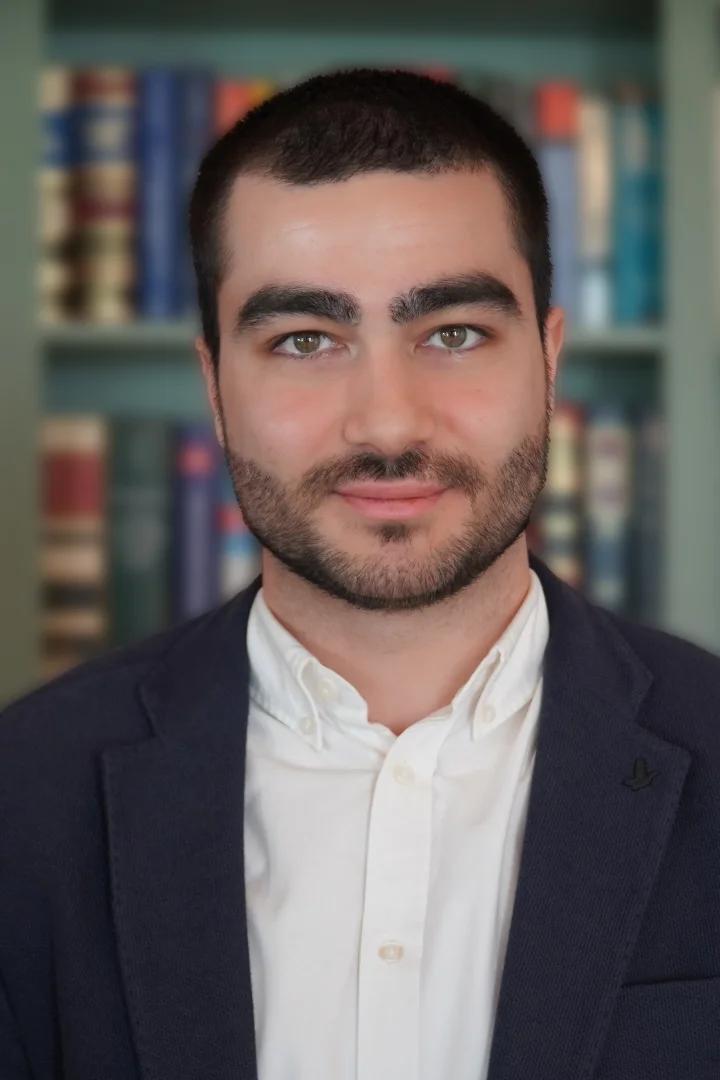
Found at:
[395, 508]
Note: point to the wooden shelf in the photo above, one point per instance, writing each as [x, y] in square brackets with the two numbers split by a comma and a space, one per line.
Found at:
[569, 16]
[141, 336]
[619, 340]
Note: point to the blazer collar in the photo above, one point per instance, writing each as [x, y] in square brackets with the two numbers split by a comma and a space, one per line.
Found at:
[591, 851]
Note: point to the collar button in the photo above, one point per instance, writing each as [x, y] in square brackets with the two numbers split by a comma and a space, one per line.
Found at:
[307, 724]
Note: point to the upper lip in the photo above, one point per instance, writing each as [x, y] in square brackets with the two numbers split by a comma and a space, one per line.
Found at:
[397, 489]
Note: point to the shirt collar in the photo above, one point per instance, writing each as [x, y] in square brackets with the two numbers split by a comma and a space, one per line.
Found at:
[292, 685]
[520, 651]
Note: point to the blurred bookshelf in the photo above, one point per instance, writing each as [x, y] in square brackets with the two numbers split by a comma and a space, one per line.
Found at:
[145, 367]
[178, 335]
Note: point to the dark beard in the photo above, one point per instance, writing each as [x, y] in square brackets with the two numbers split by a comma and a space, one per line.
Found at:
[282, 522]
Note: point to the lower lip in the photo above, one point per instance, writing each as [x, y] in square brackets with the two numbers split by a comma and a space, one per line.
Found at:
[392, 508]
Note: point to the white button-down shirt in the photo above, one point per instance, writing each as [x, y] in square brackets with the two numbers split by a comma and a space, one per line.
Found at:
[381, 868]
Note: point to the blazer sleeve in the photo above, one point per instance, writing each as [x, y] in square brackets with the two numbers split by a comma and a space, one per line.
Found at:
[13, 1059]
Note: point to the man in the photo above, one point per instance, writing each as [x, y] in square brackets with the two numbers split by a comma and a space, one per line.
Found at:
[409, 806]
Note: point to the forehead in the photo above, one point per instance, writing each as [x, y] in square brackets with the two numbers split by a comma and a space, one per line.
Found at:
[384, 224]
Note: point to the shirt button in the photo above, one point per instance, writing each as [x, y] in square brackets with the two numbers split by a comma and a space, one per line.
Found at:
[404, 774]
[307, 724]
[327, 690]
[489, 714]
[391, 951]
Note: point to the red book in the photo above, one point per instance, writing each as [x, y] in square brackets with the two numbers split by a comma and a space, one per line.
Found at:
[73, 554]
[234, 98]
[558, 110]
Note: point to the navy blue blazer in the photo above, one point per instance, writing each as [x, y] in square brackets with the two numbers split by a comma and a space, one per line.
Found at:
[123, 937]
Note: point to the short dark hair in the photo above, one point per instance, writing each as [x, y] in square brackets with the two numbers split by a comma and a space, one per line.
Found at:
[333, 125]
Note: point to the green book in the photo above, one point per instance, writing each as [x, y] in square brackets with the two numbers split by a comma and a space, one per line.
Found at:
[139, 528]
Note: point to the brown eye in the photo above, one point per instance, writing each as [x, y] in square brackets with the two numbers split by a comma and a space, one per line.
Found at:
[453, 336]
[301, 343]
[459, 337]
[306, 341]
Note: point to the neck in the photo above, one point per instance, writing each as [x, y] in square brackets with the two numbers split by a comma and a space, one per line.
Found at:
[405, 664]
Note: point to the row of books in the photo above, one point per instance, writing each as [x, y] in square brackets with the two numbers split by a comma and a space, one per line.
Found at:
[122, 147]
[141, 528]
[600, 152]
[599, 521]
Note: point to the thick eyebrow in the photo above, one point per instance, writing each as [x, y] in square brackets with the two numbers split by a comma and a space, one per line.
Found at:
[480, 288]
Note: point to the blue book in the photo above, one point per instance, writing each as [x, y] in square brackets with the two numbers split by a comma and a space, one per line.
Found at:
[194, 557]
[196, 134]
[239, 550]
[159, 193]
[56, 114]
[558, 161]
[638, 210]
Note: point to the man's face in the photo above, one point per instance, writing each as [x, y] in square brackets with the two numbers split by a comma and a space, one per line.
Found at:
[381, 383]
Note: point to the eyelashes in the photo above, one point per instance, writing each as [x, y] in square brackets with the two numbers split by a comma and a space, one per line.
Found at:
[481, 331]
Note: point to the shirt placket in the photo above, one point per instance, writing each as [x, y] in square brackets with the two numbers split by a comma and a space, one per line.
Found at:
[395, 904]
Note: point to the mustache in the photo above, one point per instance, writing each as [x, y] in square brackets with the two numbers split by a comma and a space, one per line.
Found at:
[448, 471]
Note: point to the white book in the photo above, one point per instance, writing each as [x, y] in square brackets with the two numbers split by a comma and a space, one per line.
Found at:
[595, 205]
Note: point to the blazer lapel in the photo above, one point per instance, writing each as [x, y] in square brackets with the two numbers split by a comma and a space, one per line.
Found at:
[592, 847]
[174, 806]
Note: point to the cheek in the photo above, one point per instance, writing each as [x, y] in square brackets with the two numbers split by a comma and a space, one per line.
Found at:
[281, 428]
[492, 413]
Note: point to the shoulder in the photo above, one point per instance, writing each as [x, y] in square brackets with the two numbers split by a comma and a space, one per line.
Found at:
[669, 656]
[683, 701]
[51, 742]
[97, 697]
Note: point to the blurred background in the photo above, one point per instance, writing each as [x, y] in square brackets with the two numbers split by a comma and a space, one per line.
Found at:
[118, 516]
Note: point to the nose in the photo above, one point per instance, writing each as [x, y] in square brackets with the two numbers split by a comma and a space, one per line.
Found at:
[389, 407]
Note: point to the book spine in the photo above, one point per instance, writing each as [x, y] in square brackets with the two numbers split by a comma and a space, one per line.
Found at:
[139, 522]
[557, 126]
[638, 210]
[105, 192]
[239, 551]
[196, 93]
[194, 561]
[55, 219]
[559, 517]
[609, 461]
[73, 552]
[160, 186]
[595, 166]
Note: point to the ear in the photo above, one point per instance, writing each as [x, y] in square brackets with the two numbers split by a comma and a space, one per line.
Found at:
[212, 389]
[554, 338]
